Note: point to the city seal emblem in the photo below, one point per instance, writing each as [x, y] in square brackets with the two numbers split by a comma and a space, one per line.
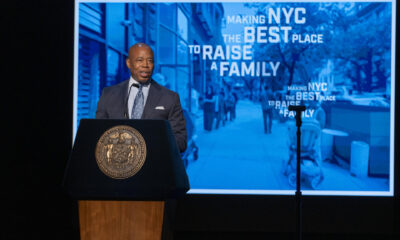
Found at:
[120, 152]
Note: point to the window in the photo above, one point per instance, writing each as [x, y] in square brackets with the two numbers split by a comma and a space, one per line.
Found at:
[115, 29]
[168, 15]
[183, 53]
[113, 67]
[182, 25]
[169, 74]
[167, 45]
[183, 86]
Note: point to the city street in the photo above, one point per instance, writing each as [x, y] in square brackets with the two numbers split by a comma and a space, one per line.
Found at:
[241, 156]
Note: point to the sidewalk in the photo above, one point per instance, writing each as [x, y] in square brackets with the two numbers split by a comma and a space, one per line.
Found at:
[240, 156]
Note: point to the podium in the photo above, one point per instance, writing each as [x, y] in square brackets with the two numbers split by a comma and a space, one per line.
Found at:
[122, 177]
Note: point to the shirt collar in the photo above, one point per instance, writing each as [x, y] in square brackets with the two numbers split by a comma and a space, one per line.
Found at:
[133, 81]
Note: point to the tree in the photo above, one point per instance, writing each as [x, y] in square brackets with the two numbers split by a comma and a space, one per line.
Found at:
[298, 60]
[363, 39]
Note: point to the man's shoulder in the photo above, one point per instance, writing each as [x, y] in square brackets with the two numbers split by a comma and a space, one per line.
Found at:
[116, 87]
[163, 89]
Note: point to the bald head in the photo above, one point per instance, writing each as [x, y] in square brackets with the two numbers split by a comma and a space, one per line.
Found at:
[134, 48]
[140, 62]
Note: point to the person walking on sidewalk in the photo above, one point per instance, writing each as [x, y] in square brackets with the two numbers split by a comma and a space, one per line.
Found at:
[266, 96]
[209, 106]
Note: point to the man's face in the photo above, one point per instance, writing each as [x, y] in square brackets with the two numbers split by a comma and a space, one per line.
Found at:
[141, 63]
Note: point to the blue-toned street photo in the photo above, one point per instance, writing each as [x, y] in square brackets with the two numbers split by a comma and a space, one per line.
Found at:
[238, 66]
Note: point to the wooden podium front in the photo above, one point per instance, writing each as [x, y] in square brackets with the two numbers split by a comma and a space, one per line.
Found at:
[131, 207]
[120, 220]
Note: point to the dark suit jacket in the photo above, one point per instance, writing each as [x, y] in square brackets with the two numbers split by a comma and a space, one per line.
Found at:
[113, 104]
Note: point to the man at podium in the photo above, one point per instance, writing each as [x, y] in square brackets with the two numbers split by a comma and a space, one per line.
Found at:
[140, 97]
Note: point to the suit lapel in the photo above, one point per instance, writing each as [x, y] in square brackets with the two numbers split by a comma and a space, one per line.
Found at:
[123, 91]
[152, 99]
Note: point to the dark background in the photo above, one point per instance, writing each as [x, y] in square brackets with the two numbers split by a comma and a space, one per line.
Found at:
[37, 96]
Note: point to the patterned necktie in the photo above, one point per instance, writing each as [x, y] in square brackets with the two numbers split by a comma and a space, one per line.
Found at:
[138, 104]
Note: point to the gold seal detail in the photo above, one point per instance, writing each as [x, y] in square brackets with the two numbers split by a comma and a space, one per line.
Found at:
[120, 152]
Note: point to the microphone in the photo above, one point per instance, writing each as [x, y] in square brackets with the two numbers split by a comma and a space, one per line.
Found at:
[297, 108]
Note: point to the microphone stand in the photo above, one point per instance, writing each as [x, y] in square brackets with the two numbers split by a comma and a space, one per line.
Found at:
[298, 110]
